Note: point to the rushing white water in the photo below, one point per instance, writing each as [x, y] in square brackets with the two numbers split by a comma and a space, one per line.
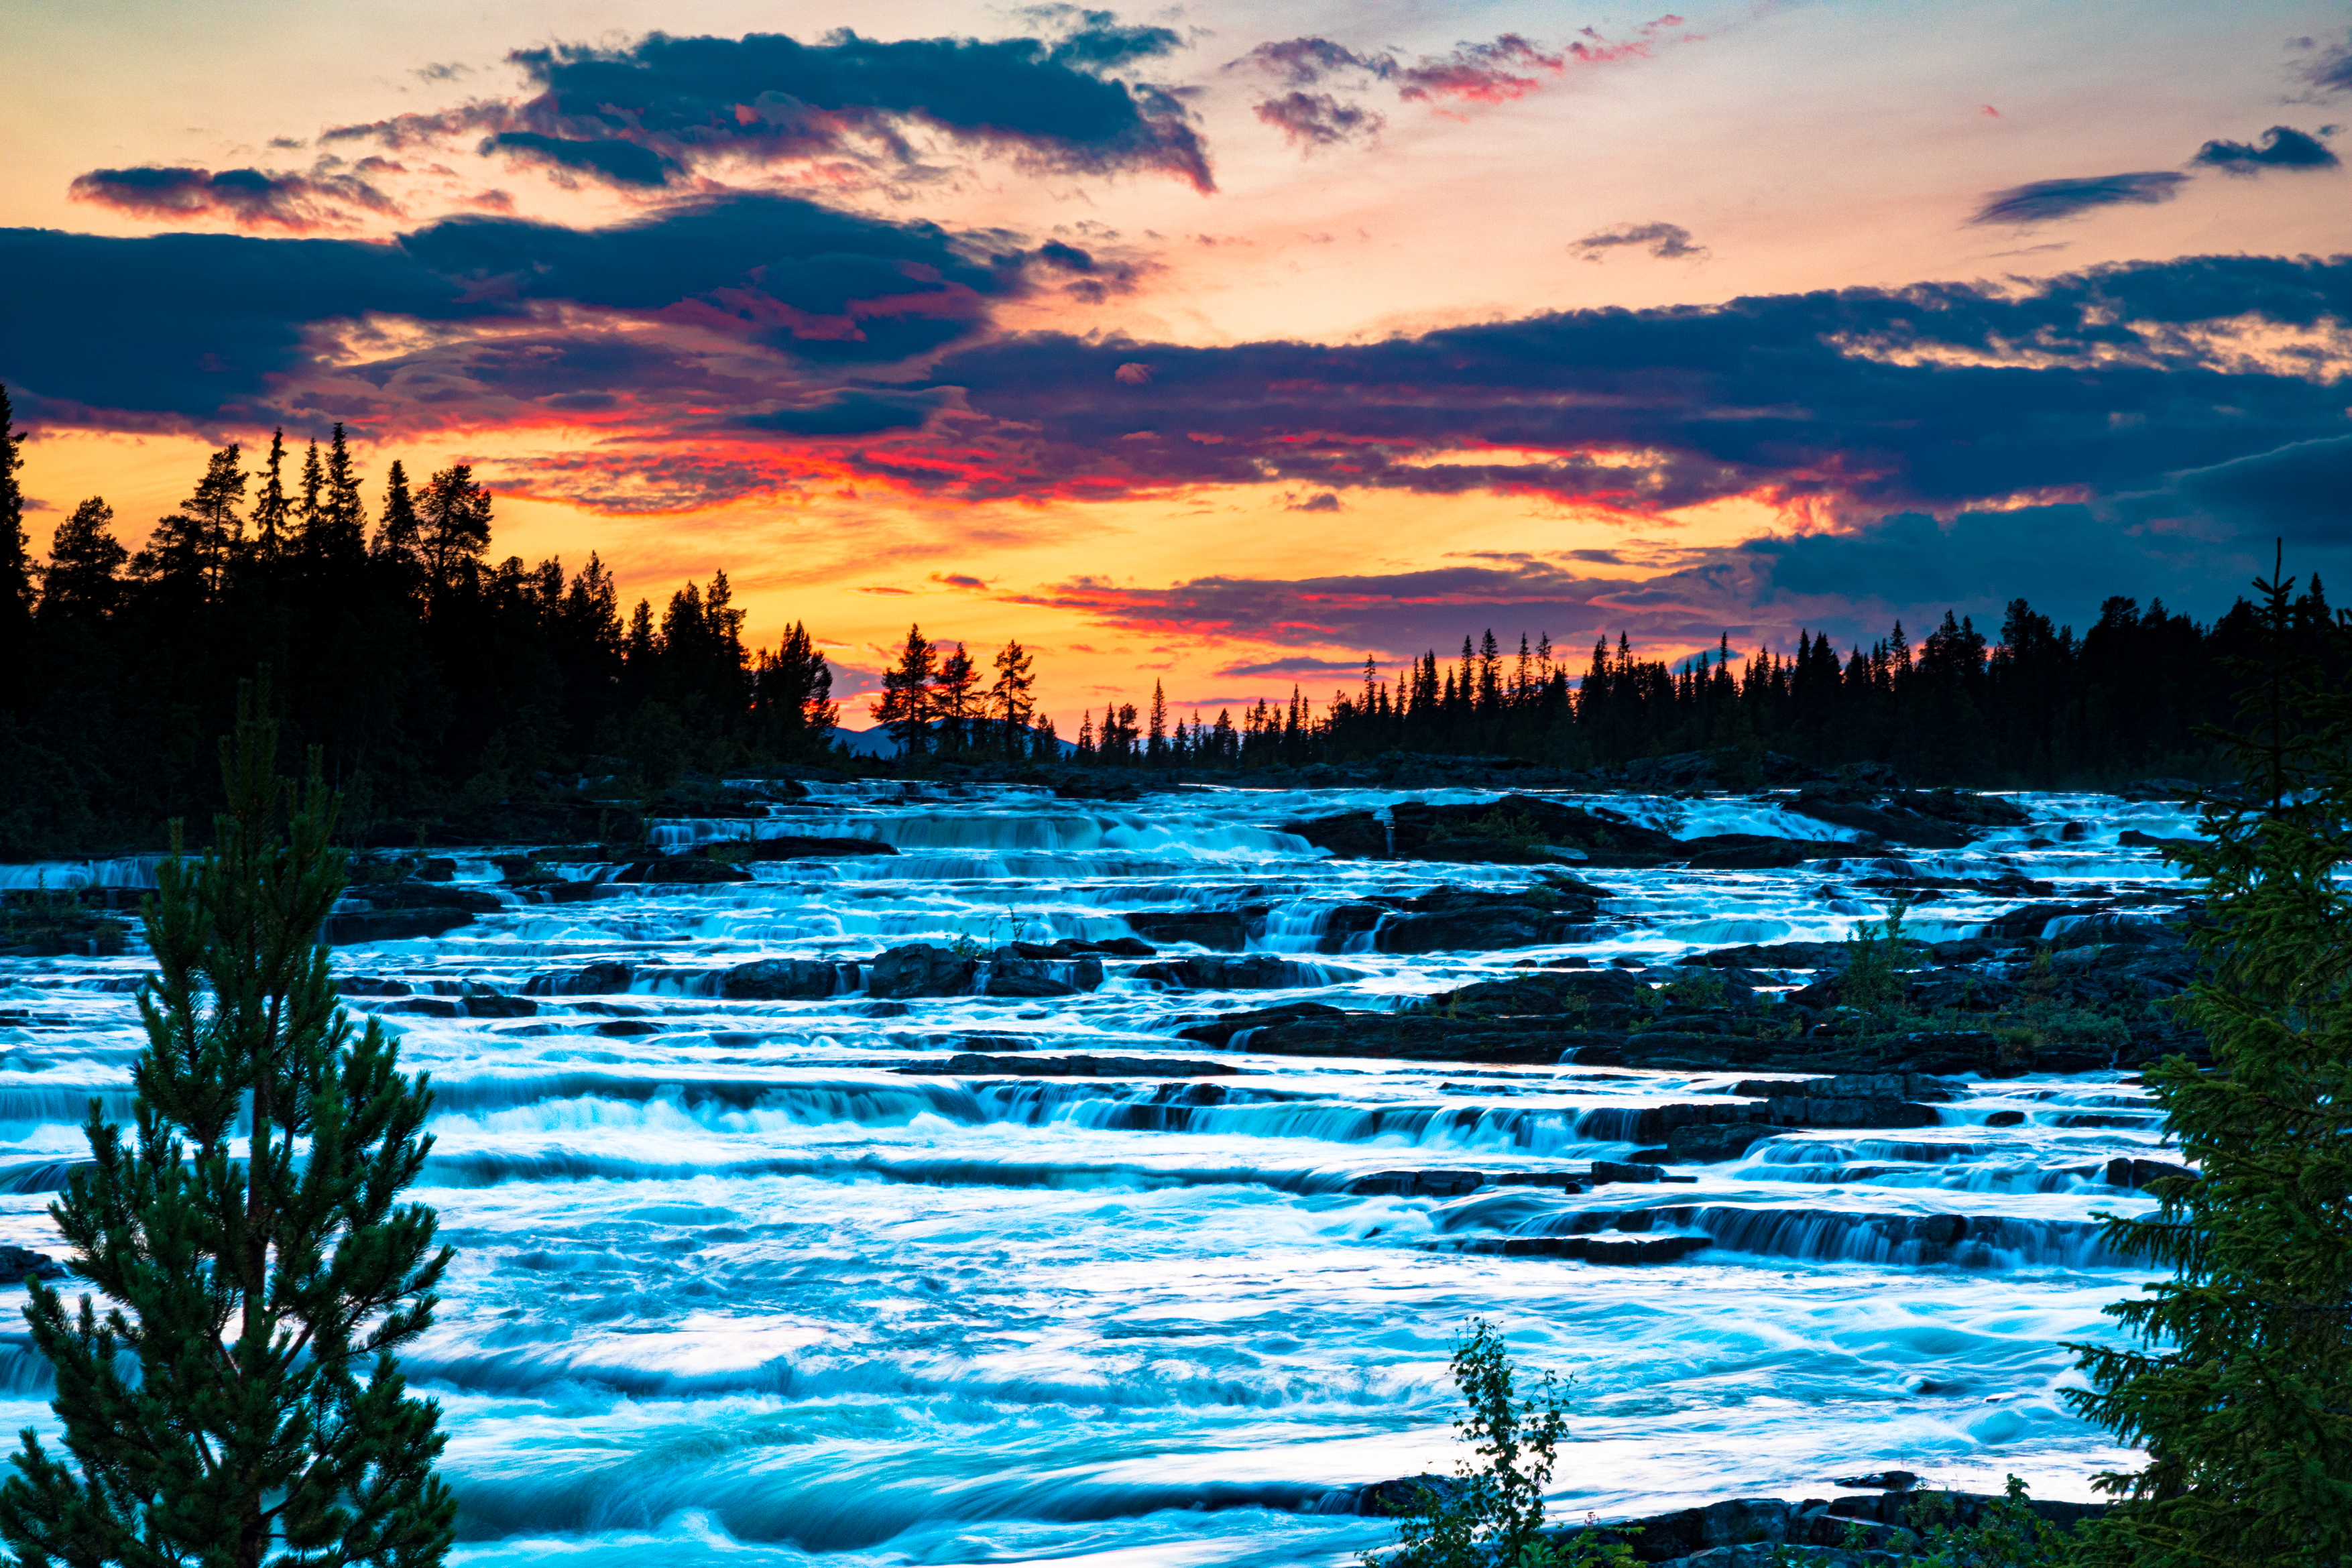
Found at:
[731, 1289]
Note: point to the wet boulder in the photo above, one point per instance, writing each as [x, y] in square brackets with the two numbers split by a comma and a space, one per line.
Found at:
[1350, 835]
[1249, 972]
[402, 911]
[1417, 1184]
[1079, 947]
[680, 871]
[480, 1001]
[1543, 991]
[21, 1263]
[1896, 821]
[973, 1063]
[595, 980]
[1515, 829]
[1010, 975]
[1751, 851]
[786, 979]
[1812, 1108]
[1605, 1172]
[2137, 1173]
[1220, 1030]
[1385, 1499]
[1472, 920]
[921, 969]
[1219, 930]
[1699, 1146]
[795, 847]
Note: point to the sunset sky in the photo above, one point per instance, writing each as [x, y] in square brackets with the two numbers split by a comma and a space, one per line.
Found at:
[1225, 344]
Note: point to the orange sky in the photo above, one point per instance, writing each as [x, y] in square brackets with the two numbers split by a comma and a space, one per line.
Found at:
[1799, 148]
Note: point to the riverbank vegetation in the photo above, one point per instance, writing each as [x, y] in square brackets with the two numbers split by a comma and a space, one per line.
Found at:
[2234, 1377]
[445, 684]
[434, 678]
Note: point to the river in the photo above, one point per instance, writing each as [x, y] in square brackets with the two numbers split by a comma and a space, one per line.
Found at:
[735, 1286]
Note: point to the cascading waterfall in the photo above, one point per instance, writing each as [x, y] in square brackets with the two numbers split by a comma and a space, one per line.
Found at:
[846, 1278]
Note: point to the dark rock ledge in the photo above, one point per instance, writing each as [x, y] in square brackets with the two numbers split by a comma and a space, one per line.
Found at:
[1745, 1532]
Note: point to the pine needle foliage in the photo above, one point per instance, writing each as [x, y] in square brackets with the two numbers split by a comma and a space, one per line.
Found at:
[237, 1401]
[2240, 1385]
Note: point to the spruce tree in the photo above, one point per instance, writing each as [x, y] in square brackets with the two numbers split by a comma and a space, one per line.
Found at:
[239, 1401]
[907, 700]
[198, 541]
[85, 559]
[397, 539]
[306, 510]
[1009, 696]
[342, 517]
[16, 560]
[272, 511]
[2239, 1388]
[454, 516]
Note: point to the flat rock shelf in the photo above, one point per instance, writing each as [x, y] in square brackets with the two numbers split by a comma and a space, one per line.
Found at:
[901, 1172]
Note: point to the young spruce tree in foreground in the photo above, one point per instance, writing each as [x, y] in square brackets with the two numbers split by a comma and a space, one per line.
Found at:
[2242, 1393]
[261, 1297]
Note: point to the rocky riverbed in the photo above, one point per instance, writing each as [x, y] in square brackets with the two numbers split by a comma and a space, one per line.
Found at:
[893, 1172]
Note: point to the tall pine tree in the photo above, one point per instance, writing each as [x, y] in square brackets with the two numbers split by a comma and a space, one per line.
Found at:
[15, 561]
[2240, 1386]
[907, 705]
[240, 1402]
[272, 510]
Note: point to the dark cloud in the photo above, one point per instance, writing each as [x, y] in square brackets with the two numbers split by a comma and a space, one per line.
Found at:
[1308, 62]
[682, 101]
[1097, 40]
[958, 579]
[849, 414]
[1326, 502]
[2045, 200]
[1500, 69]
[1851, 583]
[1312, 120]
[249, 198]
[1856, 402]
[194, 326]
[2282, 147]
[2301, 493]
[1667, 242]
[2330, 70]
[620, 162]
[1394, 616]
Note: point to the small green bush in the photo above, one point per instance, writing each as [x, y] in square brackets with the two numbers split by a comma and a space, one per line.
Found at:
[1493, 1515]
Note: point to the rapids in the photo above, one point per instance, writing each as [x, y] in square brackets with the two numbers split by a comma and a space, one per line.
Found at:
[732, 1288]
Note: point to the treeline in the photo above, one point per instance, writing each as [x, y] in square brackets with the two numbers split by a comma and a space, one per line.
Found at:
[433, 678]
[2038, 706]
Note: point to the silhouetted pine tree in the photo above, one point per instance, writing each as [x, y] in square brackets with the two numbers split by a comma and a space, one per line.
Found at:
[16, 562]
[1008, 701]
[907, 696]
[85, 564]
[272, 510]
[340, 532]
[399, 535]
[453, 518]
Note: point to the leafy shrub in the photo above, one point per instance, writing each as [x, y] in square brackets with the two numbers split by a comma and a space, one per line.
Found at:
[1493, 1515]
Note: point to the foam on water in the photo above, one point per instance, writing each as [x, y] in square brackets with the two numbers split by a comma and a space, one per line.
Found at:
[732, 1287]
